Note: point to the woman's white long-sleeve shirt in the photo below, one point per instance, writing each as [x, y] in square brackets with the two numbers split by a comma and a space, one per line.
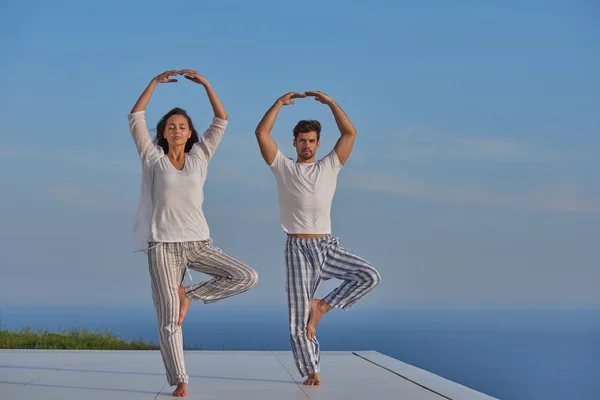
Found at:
[170, 205]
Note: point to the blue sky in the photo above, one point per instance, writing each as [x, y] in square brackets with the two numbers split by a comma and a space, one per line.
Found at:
[473, 183]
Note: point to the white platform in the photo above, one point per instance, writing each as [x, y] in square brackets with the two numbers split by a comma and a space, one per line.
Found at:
[251, 375]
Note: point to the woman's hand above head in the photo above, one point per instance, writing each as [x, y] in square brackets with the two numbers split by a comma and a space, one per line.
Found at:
[144, 98]
[194, 76]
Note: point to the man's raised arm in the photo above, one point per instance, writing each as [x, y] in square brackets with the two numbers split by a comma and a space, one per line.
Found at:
[343, 147]
[268, 147]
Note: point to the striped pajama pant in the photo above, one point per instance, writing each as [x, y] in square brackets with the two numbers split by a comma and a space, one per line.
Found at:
[308, 263]
[167, 264]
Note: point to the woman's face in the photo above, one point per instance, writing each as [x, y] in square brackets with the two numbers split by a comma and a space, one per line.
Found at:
[177, 131]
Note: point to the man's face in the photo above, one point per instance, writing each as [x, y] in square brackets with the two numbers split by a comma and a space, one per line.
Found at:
[306, 145]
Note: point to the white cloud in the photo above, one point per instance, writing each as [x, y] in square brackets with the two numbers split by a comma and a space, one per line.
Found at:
[497, 148]
[263, 215]
[563, 197]
[424, 144]
[90, 197]
[78, 157]
[238, 174]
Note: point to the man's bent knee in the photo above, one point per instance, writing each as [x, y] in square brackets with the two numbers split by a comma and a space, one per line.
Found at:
[374, 278]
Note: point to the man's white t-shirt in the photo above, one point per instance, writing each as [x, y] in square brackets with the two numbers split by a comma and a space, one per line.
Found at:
[305, 192]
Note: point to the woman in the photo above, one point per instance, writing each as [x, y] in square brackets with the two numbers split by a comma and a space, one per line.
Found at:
[170, 226]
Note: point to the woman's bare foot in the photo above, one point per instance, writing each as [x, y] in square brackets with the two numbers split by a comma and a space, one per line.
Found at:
[181, 390]
[318, 308]
[313, 379]
[184, 305]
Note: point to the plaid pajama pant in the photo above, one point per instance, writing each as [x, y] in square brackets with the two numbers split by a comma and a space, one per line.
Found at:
[308, 263]
[167, 264]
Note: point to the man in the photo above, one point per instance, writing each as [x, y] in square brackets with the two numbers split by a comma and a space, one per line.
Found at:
[306, 189]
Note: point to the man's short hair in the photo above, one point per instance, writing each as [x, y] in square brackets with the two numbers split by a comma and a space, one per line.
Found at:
[308, 126]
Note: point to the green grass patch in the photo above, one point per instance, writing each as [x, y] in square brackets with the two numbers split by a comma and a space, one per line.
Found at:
[75, 339]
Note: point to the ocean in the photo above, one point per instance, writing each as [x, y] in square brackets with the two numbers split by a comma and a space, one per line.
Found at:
[508, 354]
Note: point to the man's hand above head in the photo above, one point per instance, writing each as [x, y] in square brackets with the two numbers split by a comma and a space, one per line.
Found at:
[288, 98]
[320, 97]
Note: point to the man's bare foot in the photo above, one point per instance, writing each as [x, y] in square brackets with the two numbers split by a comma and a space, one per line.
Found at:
[313, 379]
[184, 305]
[318, 308]
[181, 390]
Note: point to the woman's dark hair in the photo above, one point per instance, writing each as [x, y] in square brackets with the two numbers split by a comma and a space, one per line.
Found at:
[305, 126]
[162, 124]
